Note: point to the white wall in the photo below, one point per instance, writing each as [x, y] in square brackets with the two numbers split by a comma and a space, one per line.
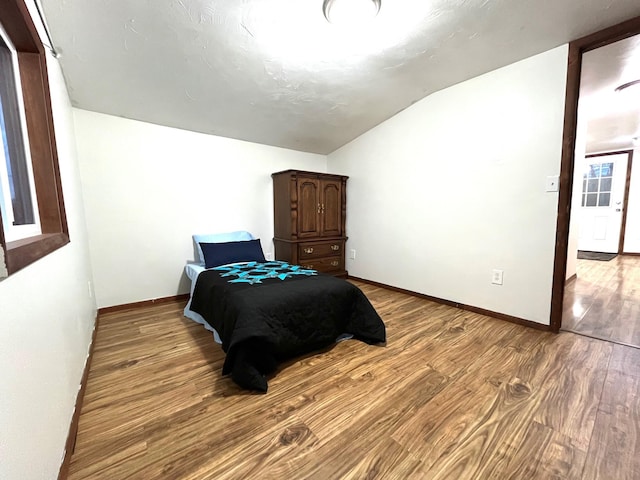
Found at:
[632, 231]
[3, 266]
[454, 186]
[148, 188]
[46, 320]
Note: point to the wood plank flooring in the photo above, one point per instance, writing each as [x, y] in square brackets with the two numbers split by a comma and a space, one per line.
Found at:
[453, 395]
[604, 300]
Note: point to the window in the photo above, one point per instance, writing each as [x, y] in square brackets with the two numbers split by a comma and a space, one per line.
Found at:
[596, 185]
[31, 205]
[17, 189]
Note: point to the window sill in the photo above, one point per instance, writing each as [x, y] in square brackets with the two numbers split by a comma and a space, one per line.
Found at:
[21, 253]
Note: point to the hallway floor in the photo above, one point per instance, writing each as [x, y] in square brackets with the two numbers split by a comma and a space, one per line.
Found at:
[604, 300]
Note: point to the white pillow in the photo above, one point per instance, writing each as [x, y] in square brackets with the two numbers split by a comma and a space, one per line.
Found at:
[219, 238]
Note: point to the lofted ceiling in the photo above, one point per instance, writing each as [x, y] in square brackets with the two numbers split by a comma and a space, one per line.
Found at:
[275, 72]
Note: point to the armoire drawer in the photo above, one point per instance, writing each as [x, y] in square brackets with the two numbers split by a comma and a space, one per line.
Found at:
[320, 249]
[324, 265]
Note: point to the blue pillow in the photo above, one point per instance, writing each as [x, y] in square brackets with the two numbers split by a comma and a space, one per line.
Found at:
[216, 254]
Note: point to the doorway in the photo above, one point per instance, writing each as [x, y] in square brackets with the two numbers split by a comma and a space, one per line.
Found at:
[603, 201]
[567, 207]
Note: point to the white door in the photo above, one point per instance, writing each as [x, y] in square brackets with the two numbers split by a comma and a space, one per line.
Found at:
[603, 185]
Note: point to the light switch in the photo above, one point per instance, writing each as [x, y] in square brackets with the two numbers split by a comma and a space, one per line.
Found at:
[552, 183]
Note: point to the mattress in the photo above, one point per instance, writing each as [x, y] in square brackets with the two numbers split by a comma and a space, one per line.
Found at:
[268, 312]
[193, 270]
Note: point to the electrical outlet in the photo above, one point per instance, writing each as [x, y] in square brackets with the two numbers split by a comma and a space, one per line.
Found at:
[268, 256]
[553, 183]
[352, 254]
[496, 277]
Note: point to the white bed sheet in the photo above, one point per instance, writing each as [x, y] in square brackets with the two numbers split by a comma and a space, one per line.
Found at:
[193, 270]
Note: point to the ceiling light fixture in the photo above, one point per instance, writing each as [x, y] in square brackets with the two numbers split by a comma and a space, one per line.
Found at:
[350, 11]
[627, 85]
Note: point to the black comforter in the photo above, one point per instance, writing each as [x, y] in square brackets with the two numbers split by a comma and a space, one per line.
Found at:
[265, 321]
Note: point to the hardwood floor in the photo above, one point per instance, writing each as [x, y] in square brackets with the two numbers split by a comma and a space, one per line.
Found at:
[604, 300]
[453, 395]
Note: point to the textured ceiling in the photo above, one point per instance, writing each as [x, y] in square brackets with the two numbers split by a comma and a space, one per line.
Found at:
[613, 118]
[275, 72]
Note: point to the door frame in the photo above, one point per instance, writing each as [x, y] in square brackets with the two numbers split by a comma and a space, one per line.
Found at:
[576, 49]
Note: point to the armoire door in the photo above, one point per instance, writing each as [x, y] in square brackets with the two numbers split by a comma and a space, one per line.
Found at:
[331, 208]
[309, 207]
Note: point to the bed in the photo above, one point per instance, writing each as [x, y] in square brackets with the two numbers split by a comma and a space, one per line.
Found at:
[263, 312]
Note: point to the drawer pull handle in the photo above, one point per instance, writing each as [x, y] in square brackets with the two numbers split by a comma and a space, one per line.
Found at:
[308, 267]
[335, 263]
[335, 247]
[308, 250]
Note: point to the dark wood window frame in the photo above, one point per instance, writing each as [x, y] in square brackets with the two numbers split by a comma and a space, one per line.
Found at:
[17, 22]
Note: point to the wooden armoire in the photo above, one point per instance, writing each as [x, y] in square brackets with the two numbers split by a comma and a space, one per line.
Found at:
[309, 211]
